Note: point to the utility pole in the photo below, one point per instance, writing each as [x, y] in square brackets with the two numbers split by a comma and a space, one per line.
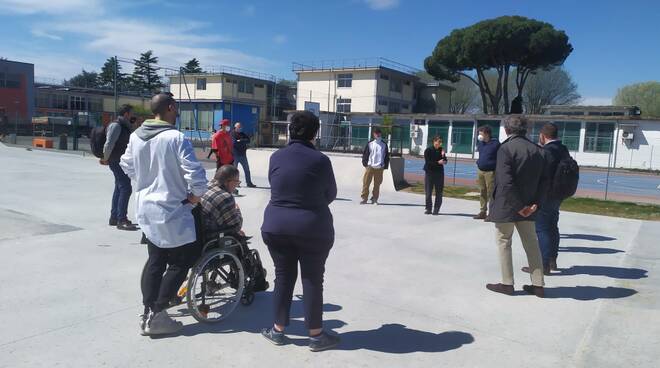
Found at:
[115, 67]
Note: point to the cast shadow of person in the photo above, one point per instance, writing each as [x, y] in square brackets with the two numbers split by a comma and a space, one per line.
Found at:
[609, 271]
[590, 237]
[394, 338]
[586, 293]
[590, 250]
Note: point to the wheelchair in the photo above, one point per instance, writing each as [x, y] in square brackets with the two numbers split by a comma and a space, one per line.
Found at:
[227, 273]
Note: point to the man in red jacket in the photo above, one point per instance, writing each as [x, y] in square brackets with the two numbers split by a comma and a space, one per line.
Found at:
[224, 145]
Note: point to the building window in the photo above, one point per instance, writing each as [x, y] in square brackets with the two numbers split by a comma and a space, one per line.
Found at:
[405, 106]
[259, 85]
[344, 105]
[345, 80]
[569, 134]
[599, 137]
[396, 86]
[13, 81]
[78, 103]
[395, 107]
[245, 87]
[95, 104]
[384, 77]
[43, 100]
[59, 102]
[407, 83]
[2, 80]
[382, 102]
[201, 84]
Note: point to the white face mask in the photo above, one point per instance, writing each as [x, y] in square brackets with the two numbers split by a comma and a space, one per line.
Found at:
[379, 138]
[480, 138]
[227, 129]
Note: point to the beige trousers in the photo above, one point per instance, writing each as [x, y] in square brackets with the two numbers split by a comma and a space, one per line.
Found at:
[372, 174]
[527, 232]
[486, 183]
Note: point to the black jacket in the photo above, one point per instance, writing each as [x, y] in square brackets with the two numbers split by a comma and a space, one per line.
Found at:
[241, 141]
[554, 152]
[365, 156]
[431, 158]
[520, 179]
[302, 186]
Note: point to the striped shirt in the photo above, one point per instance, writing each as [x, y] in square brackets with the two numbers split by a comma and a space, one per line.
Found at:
[220, 211]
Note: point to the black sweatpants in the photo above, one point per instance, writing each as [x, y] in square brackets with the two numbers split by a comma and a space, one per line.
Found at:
[434, 180]
[287, 251]
[159, 285]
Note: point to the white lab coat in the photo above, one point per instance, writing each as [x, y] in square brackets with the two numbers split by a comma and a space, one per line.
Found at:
[164, 169]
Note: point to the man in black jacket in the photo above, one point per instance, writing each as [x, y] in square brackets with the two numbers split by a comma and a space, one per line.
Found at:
[520, 184]
[547, 219]
[117, 136]
[241, 142]
[375, 159]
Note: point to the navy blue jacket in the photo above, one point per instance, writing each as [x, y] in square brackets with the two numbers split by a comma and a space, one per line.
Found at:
[302, 185]
[241, 141]
[487, 154]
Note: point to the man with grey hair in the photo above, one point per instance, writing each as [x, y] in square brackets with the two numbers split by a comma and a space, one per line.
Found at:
[520, 184]
[169, 180]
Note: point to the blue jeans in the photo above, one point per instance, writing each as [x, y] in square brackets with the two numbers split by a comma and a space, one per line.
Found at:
[246, 167]
[121, 194]
[547, 229]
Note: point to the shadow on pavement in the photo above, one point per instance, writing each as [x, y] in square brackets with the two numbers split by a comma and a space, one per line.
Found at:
[401, 204]
[586, 237]
[590, 250]
[457, 214]
[398, 339]
[585, 293]
[613, 272]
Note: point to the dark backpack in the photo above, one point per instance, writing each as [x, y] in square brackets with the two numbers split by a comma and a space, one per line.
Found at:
[97, 140]
[567, 175]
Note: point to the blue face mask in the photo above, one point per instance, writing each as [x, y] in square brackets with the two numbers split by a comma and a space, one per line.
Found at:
[378, 139]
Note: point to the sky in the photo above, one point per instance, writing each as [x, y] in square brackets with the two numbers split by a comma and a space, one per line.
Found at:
[615, 42]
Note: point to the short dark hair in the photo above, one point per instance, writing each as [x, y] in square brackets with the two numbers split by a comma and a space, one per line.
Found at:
[437, 138]
[486, 129]
[550, 130]
[225, 173]
[515, 124]
[161, 101]
[125, 108]
[304, 126]
[376, 131]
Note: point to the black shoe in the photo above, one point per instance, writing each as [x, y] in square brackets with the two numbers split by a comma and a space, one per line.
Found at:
[427, 212]
[323, 342]
[277, 338]
[251, 185]
[112, 222]
[436, 213]
[126, 225]
[364, 201]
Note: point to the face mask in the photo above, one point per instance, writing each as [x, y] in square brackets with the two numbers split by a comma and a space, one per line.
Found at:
[227, 129]
[480, 138]
[378, 139]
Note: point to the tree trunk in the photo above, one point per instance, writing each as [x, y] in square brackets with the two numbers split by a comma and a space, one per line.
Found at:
[484, 103]
[506, 89]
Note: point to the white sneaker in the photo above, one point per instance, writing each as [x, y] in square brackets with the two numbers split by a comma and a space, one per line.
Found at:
[143, 323]
[161, 324]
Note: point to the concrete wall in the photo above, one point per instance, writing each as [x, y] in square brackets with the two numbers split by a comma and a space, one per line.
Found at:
[18, 99]
[218, 88]
[322, 87]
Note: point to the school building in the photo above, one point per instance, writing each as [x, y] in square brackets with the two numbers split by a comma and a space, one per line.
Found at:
[205, 99]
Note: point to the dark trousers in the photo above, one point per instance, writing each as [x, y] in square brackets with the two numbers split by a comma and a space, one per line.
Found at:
[246, 167]
[159, 285]
[212, 152]
[122, 192]
[547, 229]
[287, 251]
[434, 180]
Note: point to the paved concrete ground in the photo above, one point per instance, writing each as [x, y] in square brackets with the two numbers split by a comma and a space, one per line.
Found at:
[402, 289]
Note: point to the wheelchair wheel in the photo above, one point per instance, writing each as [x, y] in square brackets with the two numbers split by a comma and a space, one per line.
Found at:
[215, 286]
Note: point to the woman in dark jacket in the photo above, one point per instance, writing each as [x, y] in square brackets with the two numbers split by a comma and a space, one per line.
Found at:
[434, 169]
[298, 228]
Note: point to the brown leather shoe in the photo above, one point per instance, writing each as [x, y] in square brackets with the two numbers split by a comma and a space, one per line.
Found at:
[553, 264]
[534, 290]
[500, 288]
[479, 216]
[546, 270]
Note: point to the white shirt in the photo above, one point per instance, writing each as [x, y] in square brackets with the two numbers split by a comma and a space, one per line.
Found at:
[376, 154]
[165, 170]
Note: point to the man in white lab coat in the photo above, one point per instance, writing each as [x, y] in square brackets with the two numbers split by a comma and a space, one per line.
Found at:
[168, 181]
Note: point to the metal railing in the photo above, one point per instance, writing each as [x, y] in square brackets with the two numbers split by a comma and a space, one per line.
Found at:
[363, 63]
[344, 138]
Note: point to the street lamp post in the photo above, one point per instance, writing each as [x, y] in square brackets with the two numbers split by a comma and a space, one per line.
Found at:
[16, 122]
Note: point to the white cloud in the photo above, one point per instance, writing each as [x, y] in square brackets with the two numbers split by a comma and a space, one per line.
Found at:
[250, 10]
[382, 4]
[279, 39]
[596, 101]
[56, 7]
[40, 33]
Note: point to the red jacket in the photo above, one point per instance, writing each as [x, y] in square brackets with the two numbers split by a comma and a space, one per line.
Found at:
[225, 147]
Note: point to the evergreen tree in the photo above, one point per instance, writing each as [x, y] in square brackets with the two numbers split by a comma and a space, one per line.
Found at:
[107, 75]
[192, 67]
[85, 80]
[145, 76]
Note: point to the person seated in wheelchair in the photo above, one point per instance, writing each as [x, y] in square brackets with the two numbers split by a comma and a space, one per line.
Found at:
[221, 214]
